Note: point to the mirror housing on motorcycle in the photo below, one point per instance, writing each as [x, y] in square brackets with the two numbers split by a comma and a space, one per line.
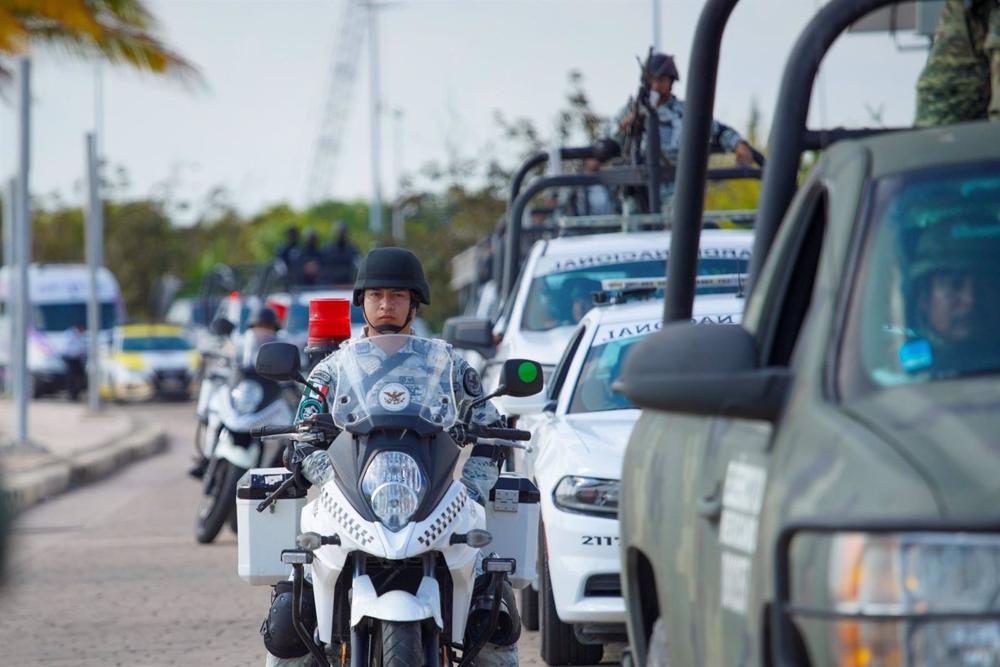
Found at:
[220, 326]
[279, 361]
[520, 378]
[470, 333]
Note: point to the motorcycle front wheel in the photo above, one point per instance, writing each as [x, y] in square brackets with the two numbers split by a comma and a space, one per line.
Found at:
[219, 499]
[400, 644]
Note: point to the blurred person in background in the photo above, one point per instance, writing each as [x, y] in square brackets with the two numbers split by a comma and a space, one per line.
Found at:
[75, 357]
[309, 260]
[340, 262]
[286, 251]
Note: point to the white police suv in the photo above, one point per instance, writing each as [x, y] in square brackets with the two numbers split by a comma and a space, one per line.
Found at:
[578, 446]
[555, 287]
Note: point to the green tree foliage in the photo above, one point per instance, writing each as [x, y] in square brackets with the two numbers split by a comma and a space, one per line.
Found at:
[120, 31]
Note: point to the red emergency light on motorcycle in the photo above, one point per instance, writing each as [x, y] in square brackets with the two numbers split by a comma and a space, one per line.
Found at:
[329, 324]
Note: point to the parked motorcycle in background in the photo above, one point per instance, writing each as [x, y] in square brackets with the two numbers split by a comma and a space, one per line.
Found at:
[392, 541]
[234, 406]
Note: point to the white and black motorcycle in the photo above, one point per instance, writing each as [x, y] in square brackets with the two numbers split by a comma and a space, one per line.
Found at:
[392, 540]
[234, 409]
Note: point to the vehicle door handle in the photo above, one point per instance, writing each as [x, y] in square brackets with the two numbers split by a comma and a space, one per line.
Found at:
[710, 506]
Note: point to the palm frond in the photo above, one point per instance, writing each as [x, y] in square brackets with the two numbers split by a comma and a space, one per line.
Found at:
[120, 31]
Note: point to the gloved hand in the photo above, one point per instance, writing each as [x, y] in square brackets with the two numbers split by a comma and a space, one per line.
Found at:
[309, 464]
[293, 458]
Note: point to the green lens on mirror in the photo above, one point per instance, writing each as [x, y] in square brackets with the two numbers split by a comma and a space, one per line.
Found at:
[527, 371]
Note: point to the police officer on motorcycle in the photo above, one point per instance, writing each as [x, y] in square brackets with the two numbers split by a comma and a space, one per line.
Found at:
[390, 287]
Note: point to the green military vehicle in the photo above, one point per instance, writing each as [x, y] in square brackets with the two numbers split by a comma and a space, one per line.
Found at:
[820, 485]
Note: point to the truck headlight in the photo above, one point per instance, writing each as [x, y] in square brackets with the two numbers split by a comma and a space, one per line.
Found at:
[393, 485]
[934, 598]
[587, 494]
[246, 396]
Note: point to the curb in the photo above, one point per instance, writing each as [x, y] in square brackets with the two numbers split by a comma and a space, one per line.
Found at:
[62, 474]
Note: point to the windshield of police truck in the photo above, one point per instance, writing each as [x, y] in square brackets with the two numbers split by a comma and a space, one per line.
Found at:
[603, 365]
[154, 344]
[391, 376]
[62, 316]
[927, 305]
[562, 298]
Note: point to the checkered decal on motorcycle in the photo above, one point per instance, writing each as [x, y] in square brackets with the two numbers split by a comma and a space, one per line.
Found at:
[444, 520]
[349, 524]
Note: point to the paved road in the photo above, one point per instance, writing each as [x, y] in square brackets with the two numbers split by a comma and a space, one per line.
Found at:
[111, 575]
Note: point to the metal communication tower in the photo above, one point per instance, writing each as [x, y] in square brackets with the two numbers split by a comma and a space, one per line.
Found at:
[339, 93]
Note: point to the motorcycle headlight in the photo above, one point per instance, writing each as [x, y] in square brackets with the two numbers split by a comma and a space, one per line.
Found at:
[587, 494]
[246, 396]
[393, 485]
[924, 579]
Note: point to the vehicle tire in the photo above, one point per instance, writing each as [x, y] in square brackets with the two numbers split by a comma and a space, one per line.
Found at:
[401, 646]
[234, 522]
[558, 641]
[656, 652]
[529, 609]
[219, 499]
[529, 596]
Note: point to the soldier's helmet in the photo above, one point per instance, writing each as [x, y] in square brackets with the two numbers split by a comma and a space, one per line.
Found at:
[264, 317]
[968, 243]
[391, 268]
[662, 64]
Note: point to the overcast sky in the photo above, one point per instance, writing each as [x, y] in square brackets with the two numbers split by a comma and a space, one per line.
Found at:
[448, 65]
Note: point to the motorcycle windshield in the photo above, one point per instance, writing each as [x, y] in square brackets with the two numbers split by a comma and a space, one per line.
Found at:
[392, 379]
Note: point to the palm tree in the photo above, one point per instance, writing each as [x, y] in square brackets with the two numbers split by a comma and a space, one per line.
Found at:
[121, 31]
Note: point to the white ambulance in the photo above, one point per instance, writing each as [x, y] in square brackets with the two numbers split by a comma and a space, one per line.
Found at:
[57, 300]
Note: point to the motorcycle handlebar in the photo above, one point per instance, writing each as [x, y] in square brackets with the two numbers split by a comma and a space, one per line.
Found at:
[502, 433]
[265, 431]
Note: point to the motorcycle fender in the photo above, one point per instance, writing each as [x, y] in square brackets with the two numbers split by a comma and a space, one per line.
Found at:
[241, 457]
[396, 606]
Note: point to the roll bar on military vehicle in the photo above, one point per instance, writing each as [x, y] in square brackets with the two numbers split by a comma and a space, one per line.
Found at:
[789, 137]
[635, 176]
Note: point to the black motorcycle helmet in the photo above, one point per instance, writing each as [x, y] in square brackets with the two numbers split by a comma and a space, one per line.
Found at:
[392, 268]
[264, 317]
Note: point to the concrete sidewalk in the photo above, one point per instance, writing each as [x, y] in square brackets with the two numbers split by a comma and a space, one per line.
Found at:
[69, 446]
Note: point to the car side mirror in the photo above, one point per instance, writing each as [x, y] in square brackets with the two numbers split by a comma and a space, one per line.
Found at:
[220, 326]
[470, 333]
[279, 361]
[708, 370]
[520, 378]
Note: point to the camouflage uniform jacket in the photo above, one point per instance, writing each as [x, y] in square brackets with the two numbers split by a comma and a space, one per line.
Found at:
[961, 81]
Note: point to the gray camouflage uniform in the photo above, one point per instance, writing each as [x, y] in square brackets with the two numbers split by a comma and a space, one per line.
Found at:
[479, 474]
[671, 117]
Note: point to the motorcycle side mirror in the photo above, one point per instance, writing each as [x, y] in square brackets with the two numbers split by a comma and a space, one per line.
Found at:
[520, 378]
[220, 326]
[279, 361]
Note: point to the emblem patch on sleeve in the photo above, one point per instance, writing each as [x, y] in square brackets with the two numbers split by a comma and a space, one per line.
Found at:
[473, 386]
[309, 407]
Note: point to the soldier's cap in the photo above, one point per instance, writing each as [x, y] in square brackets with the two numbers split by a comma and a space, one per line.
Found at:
[969, 243]
[662, 64]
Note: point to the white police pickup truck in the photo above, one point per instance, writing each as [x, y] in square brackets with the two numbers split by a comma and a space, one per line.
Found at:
[577, 448]
[555, 288]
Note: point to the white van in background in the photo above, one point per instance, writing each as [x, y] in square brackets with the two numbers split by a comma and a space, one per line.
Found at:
[57, 299]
